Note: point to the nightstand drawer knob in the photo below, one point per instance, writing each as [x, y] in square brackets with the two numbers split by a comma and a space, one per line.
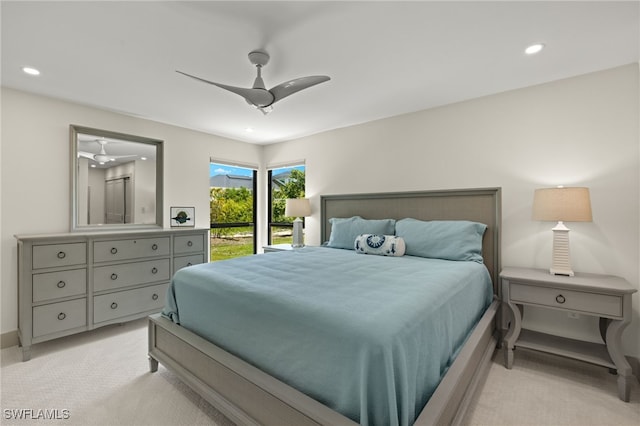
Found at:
[560, 299]
[62, 316]
[114, 250]
[190, 243]
[114, 305]
[62, 255]
[61, 284]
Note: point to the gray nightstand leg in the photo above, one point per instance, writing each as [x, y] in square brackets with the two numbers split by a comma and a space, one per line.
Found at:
[614, 346]
[604, 324]
[512, 334]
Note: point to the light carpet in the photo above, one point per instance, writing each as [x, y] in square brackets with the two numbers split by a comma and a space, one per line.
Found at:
[102, 378]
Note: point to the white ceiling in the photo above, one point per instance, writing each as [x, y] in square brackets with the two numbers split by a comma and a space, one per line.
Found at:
[384, 58]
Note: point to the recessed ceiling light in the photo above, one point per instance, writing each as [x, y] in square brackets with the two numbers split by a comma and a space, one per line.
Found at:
[534, 48]
[30, 71]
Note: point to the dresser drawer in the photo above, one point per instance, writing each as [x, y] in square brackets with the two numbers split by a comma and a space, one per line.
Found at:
[107, 251]
[128, 274]
[184, 261]
[57, 317]
[188, 243]
[53, 255]
[588, 303]
[124, 303]
[53, 285]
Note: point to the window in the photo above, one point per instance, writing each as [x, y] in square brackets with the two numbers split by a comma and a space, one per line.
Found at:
[284, 182]
[232, 198]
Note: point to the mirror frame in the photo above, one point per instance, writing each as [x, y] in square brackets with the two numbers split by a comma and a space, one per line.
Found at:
[74, 130]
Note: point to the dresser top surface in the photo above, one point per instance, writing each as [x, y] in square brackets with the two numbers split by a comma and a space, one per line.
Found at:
[109, 234]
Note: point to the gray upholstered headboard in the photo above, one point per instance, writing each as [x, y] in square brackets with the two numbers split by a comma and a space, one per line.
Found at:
[482, 205]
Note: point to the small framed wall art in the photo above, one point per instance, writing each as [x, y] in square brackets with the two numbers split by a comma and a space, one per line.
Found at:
[183, 217]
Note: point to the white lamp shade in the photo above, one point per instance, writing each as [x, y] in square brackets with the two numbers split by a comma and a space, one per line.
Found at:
[562, 204]
[297, 207]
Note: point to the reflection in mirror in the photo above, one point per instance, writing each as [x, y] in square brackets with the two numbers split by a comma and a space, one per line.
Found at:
[116, 180]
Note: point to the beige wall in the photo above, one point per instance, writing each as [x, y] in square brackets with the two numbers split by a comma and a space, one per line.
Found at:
[580, 131]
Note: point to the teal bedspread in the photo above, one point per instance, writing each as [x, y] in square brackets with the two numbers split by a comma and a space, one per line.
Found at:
[368, 336]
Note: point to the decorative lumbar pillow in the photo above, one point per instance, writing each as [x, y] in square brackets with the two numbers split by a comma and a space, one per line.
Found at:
[383, 245]
[442, 239]
[345, 230]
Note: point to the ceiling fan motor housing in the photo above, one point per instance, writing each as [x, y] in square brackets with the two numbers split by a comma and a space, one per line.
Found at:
[259, 58]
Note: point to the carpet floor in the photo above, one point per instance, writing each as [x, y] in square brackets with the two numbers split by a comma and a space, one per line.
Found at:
[102, 378]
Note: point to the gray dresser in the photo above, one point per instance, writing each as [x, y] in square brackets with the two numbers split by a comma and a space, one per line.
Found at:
[69, 283]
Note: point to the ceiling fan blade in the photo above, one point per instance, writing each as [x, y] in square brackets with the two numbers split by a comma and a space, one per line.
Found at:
[85, 155]
[257, 97]
[117, 157]
[290, 87]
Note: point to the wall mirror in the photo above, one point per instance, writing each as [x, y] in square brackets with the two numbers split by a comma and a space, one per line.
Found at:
[116, 180]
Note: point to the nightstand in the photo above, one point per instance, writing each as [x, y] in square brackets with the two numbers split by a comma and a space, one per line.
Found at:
[277, 247]
[604, 296]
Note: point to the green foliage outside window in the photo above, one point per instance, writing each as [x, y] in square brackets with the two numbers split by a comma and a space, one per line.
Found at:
[230, 205]
[233, 205]
[292, 187]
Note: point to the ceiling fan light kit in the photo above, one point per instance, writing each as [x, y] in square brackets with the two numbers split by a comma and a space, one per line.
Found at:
[258, 95]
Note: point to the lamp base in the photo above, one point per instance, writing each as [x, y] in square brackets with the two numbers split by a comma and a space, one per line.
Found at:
[298, 237]
[560, 262]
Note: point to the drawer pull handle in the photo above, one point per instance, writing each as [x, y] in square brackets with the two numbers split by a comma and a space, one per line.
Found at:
[61, 284]
[154, 297]
[154, 270]
[62, 316]
[62, 255]
[189, 243]
[114, 276]
[189, 264]
[114, 305]
[114, 250]
[154, 247]
[560, 299]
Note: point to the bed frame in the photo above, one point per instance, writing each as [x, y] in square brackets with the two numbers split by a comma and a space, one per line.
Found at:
[248, 396]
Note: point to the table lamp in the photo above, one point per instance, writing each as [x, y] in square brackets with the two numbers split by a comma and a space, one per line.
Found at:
[563, 205]
[297, 208]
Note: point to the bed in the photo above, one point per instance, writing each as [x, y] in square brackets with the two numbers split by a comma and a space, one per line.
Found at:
[251, 395]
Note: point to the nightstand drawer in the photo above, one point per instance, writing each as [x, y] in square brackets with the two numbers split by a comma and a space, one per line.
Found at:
[588, 303]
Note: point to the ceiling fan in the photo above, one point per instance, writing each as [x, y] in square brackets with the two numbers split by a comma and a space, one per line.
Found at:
[258, 95]
[102, 157]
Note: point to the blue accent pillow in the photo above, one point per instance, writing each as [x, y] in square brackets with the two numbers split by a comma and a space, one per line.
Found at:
[442, 239]
[345, 230]
[383, 245]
